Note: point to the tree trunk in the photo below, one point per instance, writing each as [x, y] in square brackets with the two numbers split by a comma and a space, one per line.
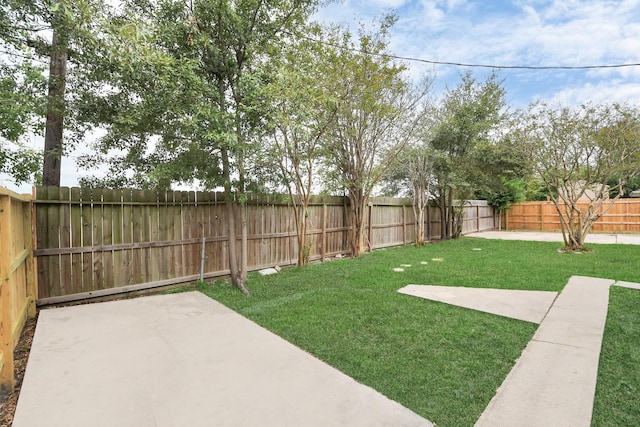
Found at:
[444, 216]
[243, 250]
[55, 112]
[457, 219]
[236, 278]
[357, 203]
[418, 213]
[303, 251]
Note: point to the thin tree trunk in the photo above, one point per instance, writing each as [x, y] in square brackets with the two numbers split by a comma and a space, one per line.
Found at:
[243, 250]
[444, 217]
[357, 203]
[55, 112]
[418, 213]
[303, 251]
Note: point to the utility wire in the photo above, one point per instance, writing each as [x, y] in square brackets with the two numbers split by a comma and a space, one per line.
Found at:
[513, 67]
[471, 65]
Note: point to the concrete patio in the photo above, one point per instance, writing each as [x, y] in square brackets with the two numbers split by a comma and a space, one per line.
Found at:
[184, 360]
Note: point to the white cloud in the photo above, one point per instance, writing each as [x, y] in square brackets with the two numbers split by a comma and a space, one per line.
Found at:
[387, 4]
[427, 14]
[453, 4]
[603, 92]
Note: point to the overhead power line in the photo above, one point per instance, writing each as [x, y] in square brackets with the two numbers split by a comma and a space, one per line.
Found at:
[473, 65]
[513, 67]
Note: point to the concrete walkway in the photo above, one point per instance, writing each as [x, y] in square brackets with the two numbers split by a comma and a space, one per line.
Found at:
[545, 236]
[554, 381]
[184, 360]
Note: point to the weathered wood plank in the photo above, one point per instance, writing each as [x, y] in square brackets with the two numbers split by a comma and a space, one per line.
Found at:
[76, 239]
[42, 225]
[6, 289]
[66, 282]
[137, 226]
[86, 214]
[163, 226]
[127, 237]
[53, 240]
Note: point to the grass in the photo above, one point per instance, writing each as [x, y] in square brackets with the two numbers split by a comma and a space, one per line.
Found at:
[441, 361]
[618, 390]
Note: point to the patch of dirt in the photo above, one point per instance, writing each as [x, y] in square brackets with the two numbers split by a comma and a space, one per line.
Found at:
[8, 401]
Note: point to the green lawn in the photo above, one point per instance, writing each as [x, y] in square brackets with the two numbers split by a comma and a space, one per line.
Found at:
[443, 362]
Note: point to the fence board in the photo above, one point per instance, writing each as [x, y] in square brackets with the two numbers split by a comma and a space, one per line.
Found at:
[75, 225]
[86, 231]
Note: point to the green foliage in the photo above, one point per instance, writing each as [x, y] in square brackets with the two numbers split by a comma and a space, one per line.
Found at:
[180, 88]
[24, 27]
[21, 93]
[632, 184]
[375, 110]
[512, 191]
[369, 104]
[535, 190]
[21, 89]
[465, 121]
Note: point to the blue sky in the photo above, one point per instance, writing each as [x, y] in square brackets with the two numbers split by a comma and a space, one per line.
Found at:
[519, 32]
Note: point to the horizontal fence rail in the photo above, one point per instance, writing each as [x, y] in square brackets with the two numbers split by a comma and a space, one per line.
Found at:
[96, 242]
[17, 278]
[623, 217]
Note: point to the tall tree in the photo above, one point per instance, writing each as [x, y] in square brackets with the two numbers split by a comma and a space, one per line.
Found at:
[467, 116]
[412, 173]
[188, 92]
[576, 152]
[415, 168]
[21, 88]
[55, 105]
[302, 99]
[21, 92]
[23, 29]
[375, 111]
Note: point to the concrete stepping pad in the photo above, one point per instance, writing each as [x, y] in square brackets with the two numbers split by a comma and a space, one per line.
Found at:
[530, 306]
[628, 285]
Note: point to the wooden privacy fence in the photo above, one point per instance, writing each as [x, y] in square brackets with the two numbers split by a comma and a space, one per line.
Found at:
[623, 217]
[97, 242]
[17, 284]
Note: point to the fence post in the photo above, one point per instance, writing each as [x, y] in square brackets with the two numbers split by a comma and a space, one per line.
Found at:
[506, 218]
[404, 225]
[6, 336]
[428, 219]
[323, 249]
[28, 234]
[541, 217]
[369, 235]
[477, 217]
